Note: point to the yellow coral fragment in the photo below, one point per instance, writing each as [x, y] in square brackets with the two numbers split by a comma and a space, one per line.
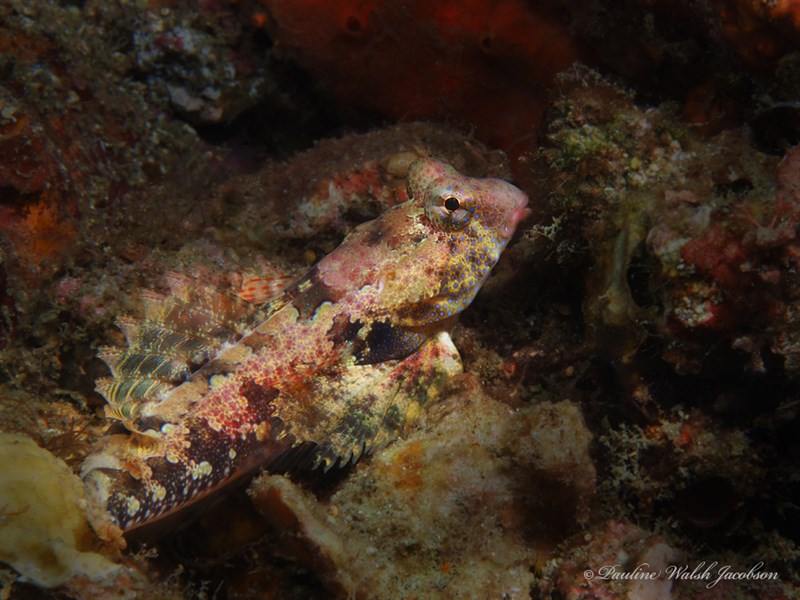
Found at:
[42, 525]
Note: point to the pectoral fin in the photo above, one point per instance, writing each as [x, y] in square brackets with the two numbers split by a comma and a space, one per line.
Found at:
[355, 408]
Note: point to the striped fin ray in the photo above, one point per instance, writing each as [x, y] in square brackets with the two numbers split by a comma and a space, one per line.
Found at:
[180, 331]
[126, 396]
[162, 340]
[145, 362]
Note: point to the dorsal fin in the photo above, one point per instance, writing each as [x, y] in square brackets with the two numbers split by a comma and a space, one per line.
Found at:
[180, 331]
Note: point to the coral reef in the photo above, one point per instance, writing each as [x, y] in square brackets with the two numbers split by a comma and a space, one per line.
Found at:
[205, 62]
[490, 63]
[689, 291]
[631, 366]
[711, 225]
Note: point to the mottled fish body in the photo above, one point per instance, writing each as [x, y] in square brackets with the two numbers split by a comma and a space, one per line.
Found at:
[211, 388]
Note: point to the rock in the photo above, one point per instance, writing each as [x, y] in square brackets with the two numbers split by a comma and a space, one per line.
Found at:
[452, 511]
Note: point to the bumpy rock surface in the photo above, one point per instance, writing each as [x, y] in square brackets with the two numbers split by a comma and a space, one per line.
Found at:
[454, 510]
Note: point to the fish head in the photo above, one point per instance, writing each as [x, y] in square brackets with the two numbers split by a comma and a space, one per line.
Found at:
[468, 222]
[483, 212]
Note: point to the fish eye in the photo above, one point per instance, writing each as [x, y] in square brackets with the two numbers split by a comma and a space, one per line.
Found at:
[451, 203]
[446, 210]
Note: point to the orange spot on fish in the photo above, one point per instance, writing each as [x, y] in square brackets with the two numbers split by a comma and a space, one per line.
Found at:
[261, 289]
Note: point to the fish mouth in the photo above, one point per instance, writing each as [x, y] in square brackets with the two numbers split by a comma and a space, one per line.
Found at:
[520, 212]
